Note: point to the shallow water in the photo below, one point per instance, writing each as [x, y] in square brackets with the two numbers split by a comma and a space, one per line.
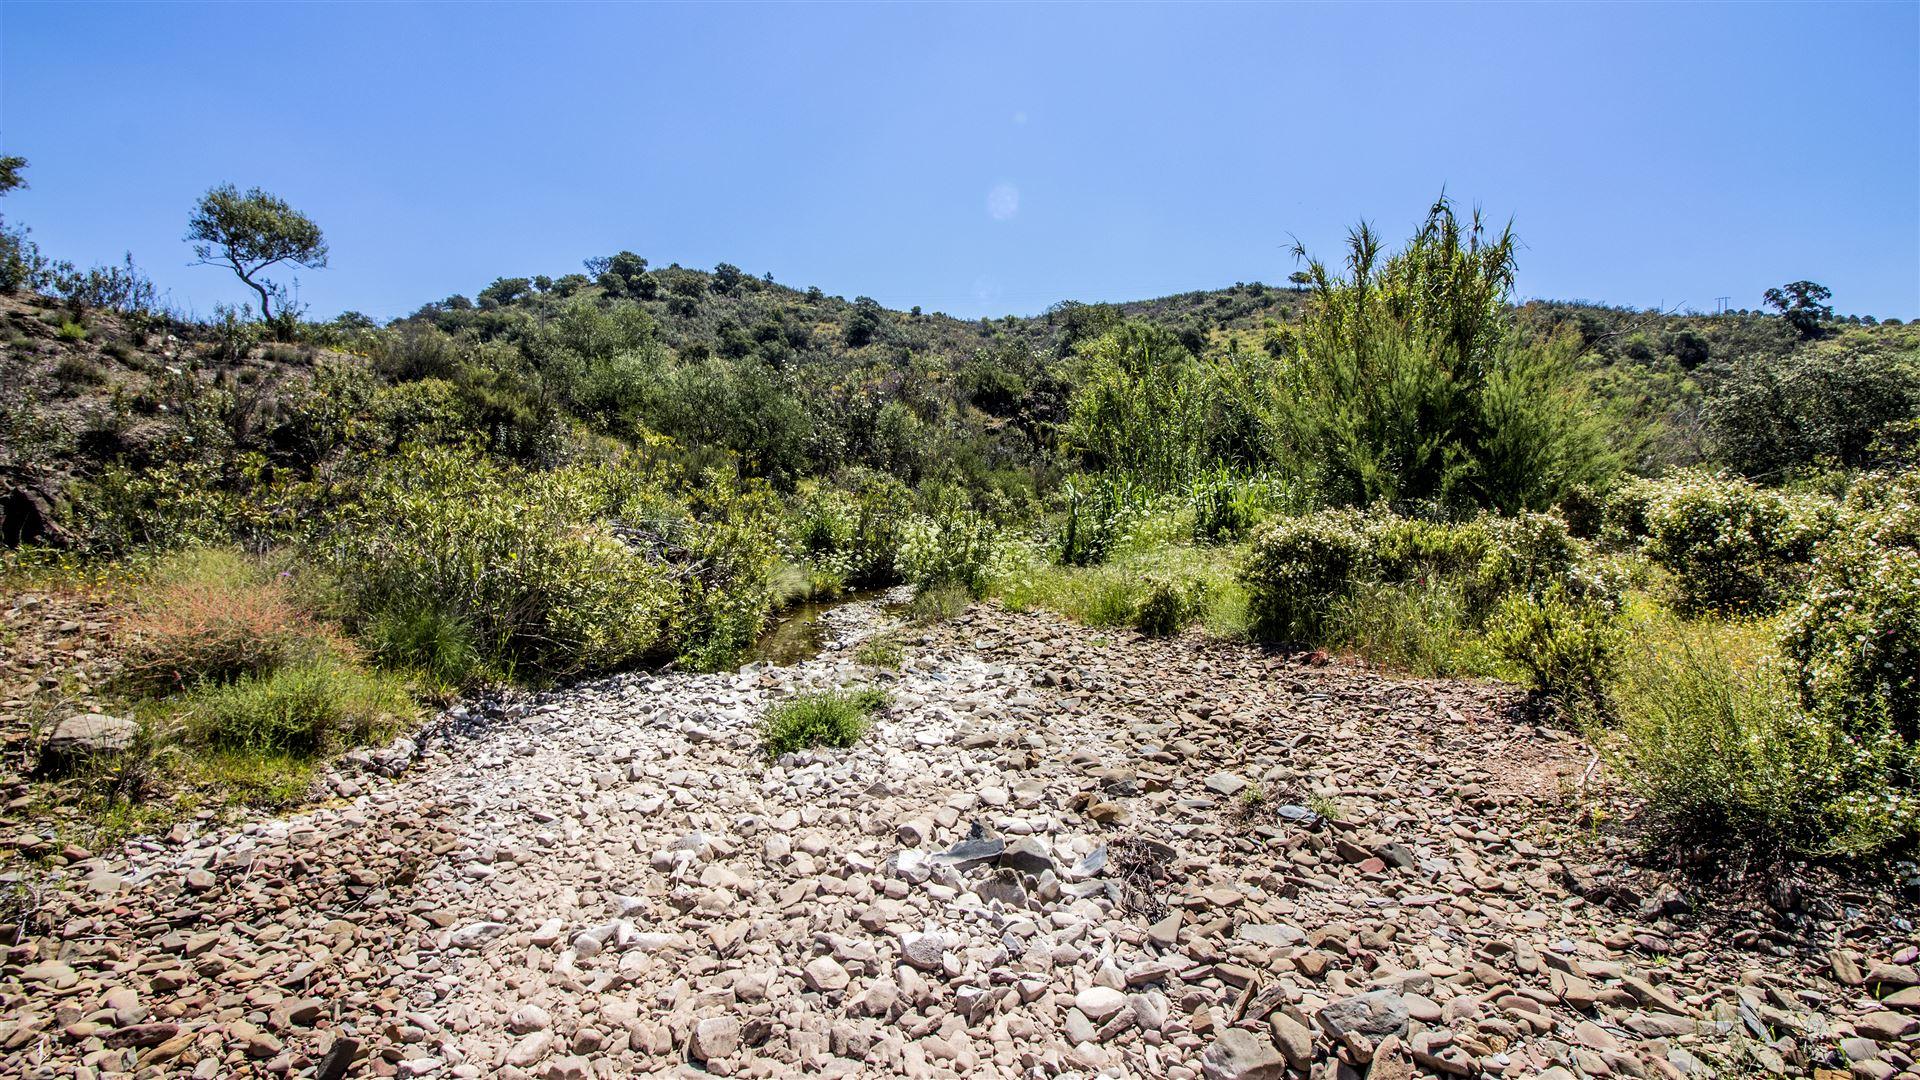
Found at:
[800, 632]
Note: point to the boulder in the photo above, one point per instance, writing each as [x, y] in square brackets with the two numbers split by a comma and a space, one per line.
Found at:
[84, 735]
[1376, 1015]
[1239, 1054]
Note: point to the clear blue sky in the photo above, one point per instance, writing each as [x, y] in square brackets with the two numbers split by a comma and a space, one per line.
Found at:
[981, 159]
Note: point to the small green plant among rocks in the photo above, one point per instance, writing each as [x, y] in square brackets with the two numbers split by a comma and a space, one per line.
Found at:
[881, 651]
[938, 603]
[1326, 807]
[837, 718]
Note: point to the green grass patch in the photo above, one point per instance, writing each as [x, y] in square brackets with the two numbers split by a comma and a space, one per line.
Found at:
[1157, 589]
[303, 710]
[939, 602]
[881, 651]
[1420, 628]
[836, 718]
[440, 647]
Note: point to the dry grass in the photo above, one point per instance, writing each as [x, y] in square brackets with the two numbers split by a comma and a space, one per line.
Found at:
[210, 617]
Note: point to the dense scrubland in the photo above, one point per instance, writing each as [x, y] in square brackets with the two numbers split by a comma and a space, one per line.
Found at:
[1696, 537]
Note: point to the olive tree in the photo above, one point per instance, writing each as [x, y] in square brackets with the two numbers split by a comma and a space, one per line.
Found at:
[250, 232]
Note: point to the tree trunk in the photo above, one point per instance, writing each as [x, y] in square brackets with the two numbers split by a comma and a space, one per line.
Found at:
[266, 314]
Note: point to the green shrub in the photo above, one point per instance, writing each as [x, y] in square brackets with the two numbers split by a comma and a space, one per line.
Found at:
[1854, 642]
[1820, 405]
[1566, 646]
[1625, 512]
[233, 333]
[833, 718]
[1731, 546]
[519, 560]
[1297, 567]
[1584, 511]
[1406, 549]
[727, 587]
[1166, 605]
[951, 547]
[312, 707]
[1527, 553]
[74, 372]
[1716, 741]
[71, 331]
[854, 533]
[437, 645]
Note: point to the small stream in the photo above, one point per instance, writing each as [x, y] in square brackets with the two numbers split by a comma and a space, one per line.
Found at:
[800, 632]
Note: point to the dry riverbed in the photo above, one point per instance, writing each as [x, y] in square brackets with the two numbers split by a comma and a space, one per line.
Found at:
[1061, 852]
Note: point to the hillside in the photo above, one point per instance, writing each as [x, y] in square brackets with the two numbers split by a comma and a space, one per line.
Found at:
[683, 671]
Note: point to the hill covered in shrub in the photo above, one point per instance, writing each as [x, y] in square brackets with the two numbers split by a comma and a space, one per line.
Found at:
[632, 465]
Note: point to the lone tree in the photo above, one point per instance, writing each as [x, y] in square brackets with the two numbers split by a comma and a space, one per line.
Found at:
[1803, 304]
[247, 233]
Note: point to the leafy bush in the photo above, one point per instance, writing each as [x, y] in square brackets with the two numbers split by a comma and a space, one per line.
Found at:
[1627, 509]
[1565, 645]
[949, 547]
[1824, 404]
[166, 506]
[1530, 554]
[212, 617]
[311, 707]
[1730, 545]
[1406, 549]
[1138, 409]
[518, 559]
[1166, 605]
[1713, 735]
[1854, 642]
[722, 605]
[856, 532]
[1297, 567]
[833, 718]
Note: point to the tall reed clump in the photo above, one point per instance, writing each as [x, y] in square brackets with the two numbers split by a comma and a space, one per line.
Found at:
[1409, 385]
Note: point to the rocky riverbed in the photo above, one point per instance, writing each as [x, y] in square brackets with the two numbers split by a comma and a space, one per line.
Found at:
[1060, 852]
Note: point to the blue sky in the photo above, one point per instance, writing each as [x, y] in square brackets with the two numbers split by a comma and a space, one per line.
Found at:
[981, 159]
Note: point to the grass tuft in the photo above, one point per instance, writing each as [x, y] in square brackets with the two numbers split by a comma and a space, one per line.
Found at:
[938, 603]
[881, 651]
[212, 616]
[303, 710]
[836, 718]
